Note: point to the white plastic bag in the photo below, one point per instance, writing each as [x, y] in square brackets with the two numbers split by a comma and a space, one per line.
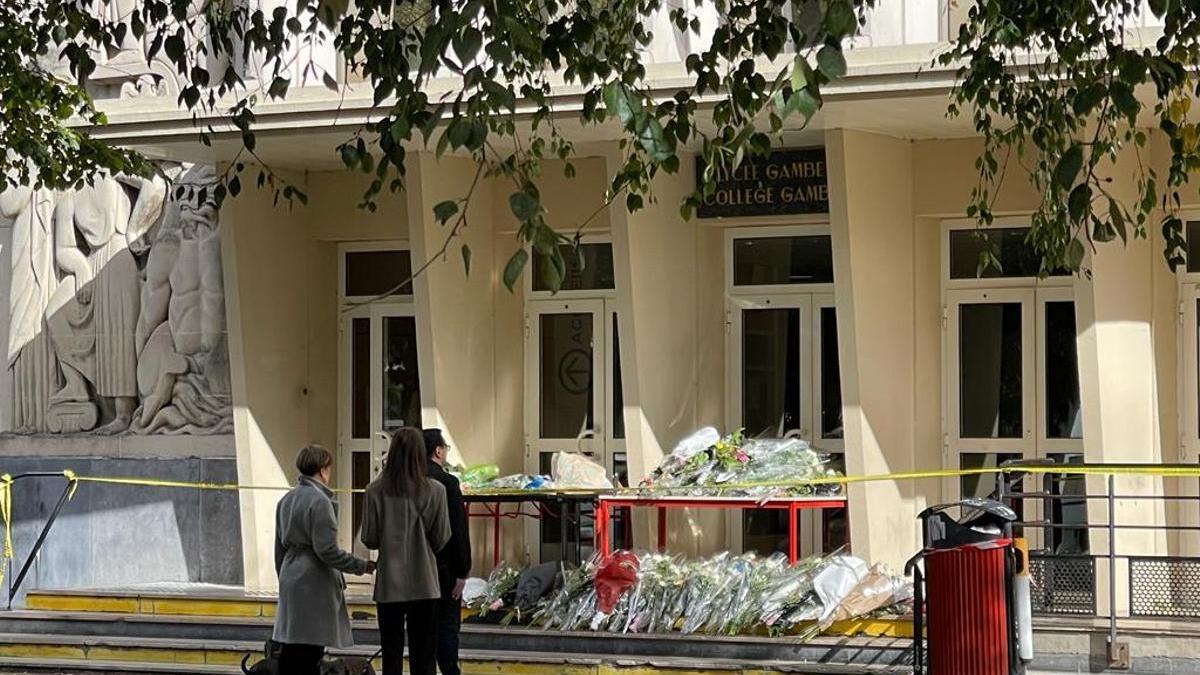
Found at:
[835, 581]
[699, 441]
[473, 589]
[573, 470]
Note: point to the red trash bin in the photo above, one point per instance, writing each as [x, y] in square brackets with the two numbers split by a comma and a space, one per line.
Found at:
[963, 591]
[966, 609]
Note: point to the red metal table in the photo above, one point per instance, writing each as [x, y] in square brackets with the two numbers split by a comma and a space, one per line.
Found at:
[569, 505]
[793, 505]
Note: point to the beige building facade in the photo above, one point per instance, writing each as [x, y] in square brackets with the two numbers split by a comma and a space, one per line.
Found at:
[860, 326]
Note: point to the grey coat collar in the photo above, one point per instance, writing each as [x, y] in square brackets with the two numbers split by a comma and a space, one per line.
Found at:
[313, 482]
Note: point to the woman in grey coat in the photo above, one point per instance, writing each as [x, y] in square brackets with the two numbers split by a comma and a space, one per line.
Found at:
[312, 601]
[407, 522]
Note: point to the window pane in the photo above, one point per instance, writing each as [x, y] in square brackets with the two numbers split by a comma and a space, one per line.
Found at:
[1017, 258]
[1193, 246]
[764, 531]
[1068, 506]
[831, 382]
[759, 261]
[596, 274]
[770, 371]
[370, 273]
[567, 388]
[579, 532]
[360, 476]
[622, 517]
[360, 378]
[401, 384]
[990, 377]
[835, 523]
[618, 399]
[1064, 417]
[984, 485]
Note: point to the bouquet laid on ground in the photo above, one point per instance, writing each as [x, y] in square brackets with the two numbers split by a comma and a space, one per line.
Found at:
[746, 467]
[722, 595]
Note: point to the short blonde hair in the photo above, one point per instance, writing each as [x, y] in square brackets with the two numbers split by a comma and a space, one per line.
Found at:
[313, 458]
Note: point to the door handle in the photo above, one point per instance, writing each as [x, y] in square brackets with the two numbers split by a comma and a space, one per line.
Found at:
[583, 435]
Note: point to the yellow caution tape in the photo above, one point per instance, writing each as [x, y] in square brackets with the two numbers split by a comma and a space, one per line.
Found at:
[1169, 471]
[6, 482]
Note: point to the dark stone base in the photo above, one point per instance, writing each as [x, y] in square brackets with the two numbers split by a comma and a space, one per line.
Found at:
[119, 535]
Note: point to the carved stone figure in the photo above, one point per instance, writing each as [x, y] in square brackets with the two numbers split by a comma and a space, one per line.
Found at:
[117, 308]
[29, 356]
[183, 360]
[94, 314]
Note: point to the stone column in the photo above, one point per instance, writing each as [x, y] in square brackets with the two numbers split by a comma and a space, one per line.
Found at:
[265, 252]
[871, 217]
[1126, 314]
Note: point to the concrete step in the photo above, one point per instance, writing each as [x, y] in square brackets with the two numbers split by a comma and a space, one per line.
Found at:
[67, 653]
[519, 640]
[228, 602]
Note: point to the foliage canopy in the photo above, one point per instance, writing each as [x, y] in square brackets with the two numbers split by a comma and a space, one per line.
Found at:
[1061, 88]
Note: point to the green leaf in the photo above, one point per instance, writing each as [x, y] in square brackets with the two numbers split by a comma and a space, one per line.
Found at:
[1075, 252]
[831, 61]
[801, 73]
[349, 155]
[512, 270]
[466, 257]
[279, 87]
[804, 103]
[520, 34]
[523, 205]
[840, 19]
[444, 211]
[617, 102]
[467, 44]
[458, 132]
[1079, 202]
[1069, 166]
[656, 144]
[1117, 218]
[553, 269]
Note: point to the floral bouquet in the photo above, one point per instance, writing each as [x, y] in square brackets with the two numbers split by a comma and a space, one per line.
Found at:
[501, 583]
[707, 460]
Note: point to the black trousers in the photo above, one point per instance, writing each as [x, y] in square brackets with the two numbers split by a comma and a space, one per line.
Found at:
[301, 659]
[419, 620]
[449, 623]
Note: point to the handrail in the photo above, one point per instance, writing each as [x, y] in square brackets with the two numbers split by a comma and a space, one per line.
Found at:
[68, 491]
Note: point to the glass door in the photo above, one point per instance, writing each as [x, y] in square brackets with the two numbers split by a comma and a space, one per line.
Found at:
[829, 529]
[566, 400]
[990, 383]
[380, 392]
[1189, 415]
[771, 357]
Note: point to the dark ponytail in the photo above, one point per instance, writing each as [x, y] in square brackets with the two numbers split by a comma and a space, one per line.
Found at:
[404, 473]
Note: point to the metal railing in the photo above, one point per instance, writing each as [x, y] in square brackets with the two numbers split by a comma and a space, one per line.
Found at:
[1077, 560]
[14, 584]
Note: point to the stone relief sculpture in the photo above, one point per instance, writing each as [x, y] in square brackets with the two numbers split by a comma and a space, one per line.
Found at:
[117, 309]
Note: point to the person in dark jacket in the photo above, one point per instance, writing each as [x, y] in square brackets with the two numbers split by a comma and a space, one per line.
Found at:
[454, 560]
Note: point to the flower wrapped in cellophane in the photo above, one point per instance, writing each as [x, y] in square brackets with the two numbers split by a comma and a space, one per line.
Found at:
[720, 595]
[737, 466]
[501, 584]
